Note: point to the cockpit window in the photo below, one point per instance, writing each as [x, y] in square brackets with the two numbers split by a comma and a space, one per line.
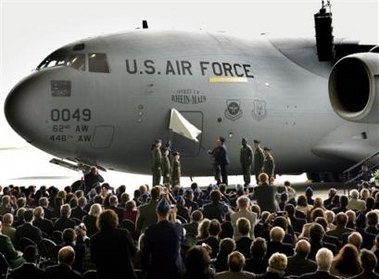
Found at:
[97, 62]
[76, 61]
[57, 58]
[63, 58]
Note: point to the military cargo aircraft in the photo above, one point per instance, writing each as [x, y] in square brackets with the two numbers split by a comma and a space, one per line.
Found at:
[104, 100]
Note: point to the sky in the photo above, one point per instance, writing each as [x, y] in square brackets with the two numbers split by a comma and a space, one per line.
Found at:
[31, 30]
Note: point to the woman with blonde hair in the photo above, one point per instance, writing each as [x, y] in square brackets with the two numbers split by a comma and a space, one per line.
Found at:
[90, 219]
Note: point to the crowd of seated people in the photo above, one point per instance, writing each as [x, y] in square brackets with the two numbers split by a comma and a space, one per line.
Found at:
[175, 232]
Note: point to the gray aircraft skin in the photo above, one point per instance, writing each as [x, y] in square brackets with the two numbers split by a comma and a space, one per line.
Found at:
[103, 101]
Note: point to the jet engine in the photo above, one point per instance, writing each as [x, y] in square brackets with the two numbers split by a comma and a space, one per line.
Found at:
[354, 87]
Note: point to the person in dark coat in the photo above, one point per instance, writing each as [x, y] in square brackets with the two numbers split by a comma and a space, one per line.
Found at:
[64, 221]
[160, 257]
[227, 246]
[257, 263]
[29, 268]
[28, 229]
[265, 193]
[276, 243]
[45, 225]
[215, 209]
[299, 263]
[92, 179]
[112, 248]
[63, 270]
[324, 259]
[220, 161]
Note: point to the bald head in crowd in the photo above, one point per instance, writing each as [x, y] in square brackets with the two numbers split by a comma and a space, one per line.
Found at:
[356, 239]
[341, 220]
[66, 256]
[302, 248]
[277, 234]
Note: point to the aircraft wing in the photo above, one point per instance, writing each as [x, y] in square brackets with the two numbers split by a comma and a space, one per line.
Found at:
[180, 125]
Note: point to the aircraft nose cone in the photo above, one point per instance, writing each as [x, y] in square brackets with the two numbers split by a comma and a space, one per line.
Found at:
[23, 105]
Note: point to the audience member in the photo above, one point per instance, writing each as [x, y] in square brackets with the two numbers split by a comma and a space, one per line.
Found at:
[264, 194]
[161, 258]
[215, 209]
[346, 263]
[257, 263]
[146, 214]
[8, 229]
[341, 222]
[213, 239]
[64, 221]
[198, 264]
[277, 264]
[78, 211]
[90, 219]
[368, 263]
[45, 225]
[331, 194]
[227, 227]
[243, 204]
[29, 268]
[227, 246]
[130, 212]
[299, 263]
[28, 229]
[69, 237]
[192, 226]
[243, 243]
[13, 256]
[276, 243]
[324, 259]
[63, 269]
[236, 263]
[112, 248]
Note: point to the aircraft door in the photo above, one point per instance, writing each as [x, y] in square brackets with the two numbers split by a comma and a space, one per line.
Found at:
[187, 147]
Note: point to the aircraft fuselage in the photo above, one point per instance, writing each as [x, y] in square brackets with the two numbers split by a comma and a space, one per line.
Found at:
[105, 100]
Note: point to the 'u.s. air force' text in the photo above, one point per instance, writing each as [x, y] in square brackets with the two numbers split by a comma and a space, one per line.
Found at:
[187, 68]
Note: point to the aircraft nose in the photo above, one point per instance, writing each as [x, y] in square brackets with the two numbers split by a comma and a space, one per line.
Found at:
[23, 105]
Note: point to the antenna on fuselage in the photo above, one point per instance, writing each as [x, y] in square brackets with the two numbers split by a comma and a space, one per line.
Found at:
[144, 24]
[324, 32]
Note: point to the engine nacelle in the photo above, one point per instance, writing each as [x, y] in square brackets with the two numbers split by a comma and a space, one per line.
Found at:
[354, 87]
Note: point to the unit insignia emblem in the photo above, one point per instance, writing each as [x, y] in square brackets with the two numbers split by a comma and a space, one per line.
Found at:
[233, 110]
[259, 110]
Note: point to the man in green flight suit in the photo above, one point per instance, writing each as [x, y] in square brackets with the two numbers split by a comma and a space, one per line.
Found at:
[258, 159]
[269, 164]
[156, 166]
[246, 158]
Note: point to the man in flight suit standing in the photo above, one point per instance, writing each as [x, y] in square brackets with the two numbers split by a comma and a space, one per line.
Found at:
[258, 159]
[269, 164]
[246, 158]
[157, 162]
